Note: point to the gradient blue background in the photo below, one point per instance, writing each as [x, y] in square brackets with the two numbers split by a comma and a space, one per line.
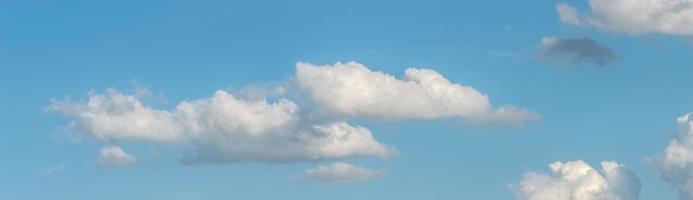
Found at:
[188, 49]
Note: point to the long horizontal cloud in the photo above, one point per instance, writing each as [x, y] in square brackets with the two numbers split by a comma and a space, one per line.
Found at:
[577, 180]
[676, 163]
[222, 128]
[353, 90]
[574, 50]
[340, 172]
[258, 127]
[670, 17]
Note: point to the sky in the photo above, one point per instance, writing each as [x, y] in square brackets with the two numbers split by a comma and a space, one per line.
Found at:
[534, 100]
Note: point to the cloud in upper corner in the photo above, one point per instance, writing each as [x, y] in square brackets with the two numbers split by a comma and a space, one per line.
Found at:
[351, 89]
[340, 172]
[676, 163]
[577, 180]
[114, 156]
[220, 129]
[574, 50]
[633, 17]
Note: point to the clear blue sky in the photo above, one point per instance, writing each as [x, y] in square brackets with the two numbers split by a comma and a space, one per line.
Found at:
[625, 111]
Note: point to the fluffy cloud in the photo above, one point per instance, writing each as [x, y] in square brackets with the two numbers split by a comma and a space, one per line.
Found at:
[117, 116]
[676, 164]
[577, 180]
[672, 17]
[295, 144]
[340, 172]
[571, 50]
[353, 90]
[114, 156]
[221, 129]
[265, 126]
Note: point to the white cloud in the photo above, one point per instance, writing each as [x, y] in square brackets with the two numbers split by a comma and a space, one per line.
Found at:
[340, 172]
[221, 128]
[568, 14]
[317, 142]
[353, 90]
[117, 116]
[114, 156]
[672, 17]
[263, 125]
[577, 180]
[676, 163]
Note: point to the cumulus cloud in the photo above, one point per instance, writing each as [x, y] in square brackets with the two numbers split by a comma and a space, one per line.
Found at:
[353, 90]
[222, 128]
[114, 156]
[265, 125]
[577, 180]
[676, 163]
[574, 50]
[671, 17]
[340, 172]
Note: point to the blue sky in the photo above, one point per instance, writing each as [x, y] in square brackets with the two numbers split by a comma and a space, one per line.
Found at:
[623, 111]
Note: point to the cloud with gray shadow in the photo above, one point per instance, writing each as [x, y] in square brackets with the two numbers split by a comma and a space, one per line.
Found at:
[556, 50]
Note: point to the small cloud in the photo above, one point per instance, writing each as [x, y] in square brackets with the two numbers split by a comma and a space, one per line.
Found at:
[340, 172]
[568, 14]
[574, 50]
[53, 169]
[114, 156]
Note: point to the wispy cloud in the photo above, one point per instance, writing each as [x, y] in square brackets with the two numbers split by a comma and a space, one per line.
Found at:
[340, 172]
[52, 170]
